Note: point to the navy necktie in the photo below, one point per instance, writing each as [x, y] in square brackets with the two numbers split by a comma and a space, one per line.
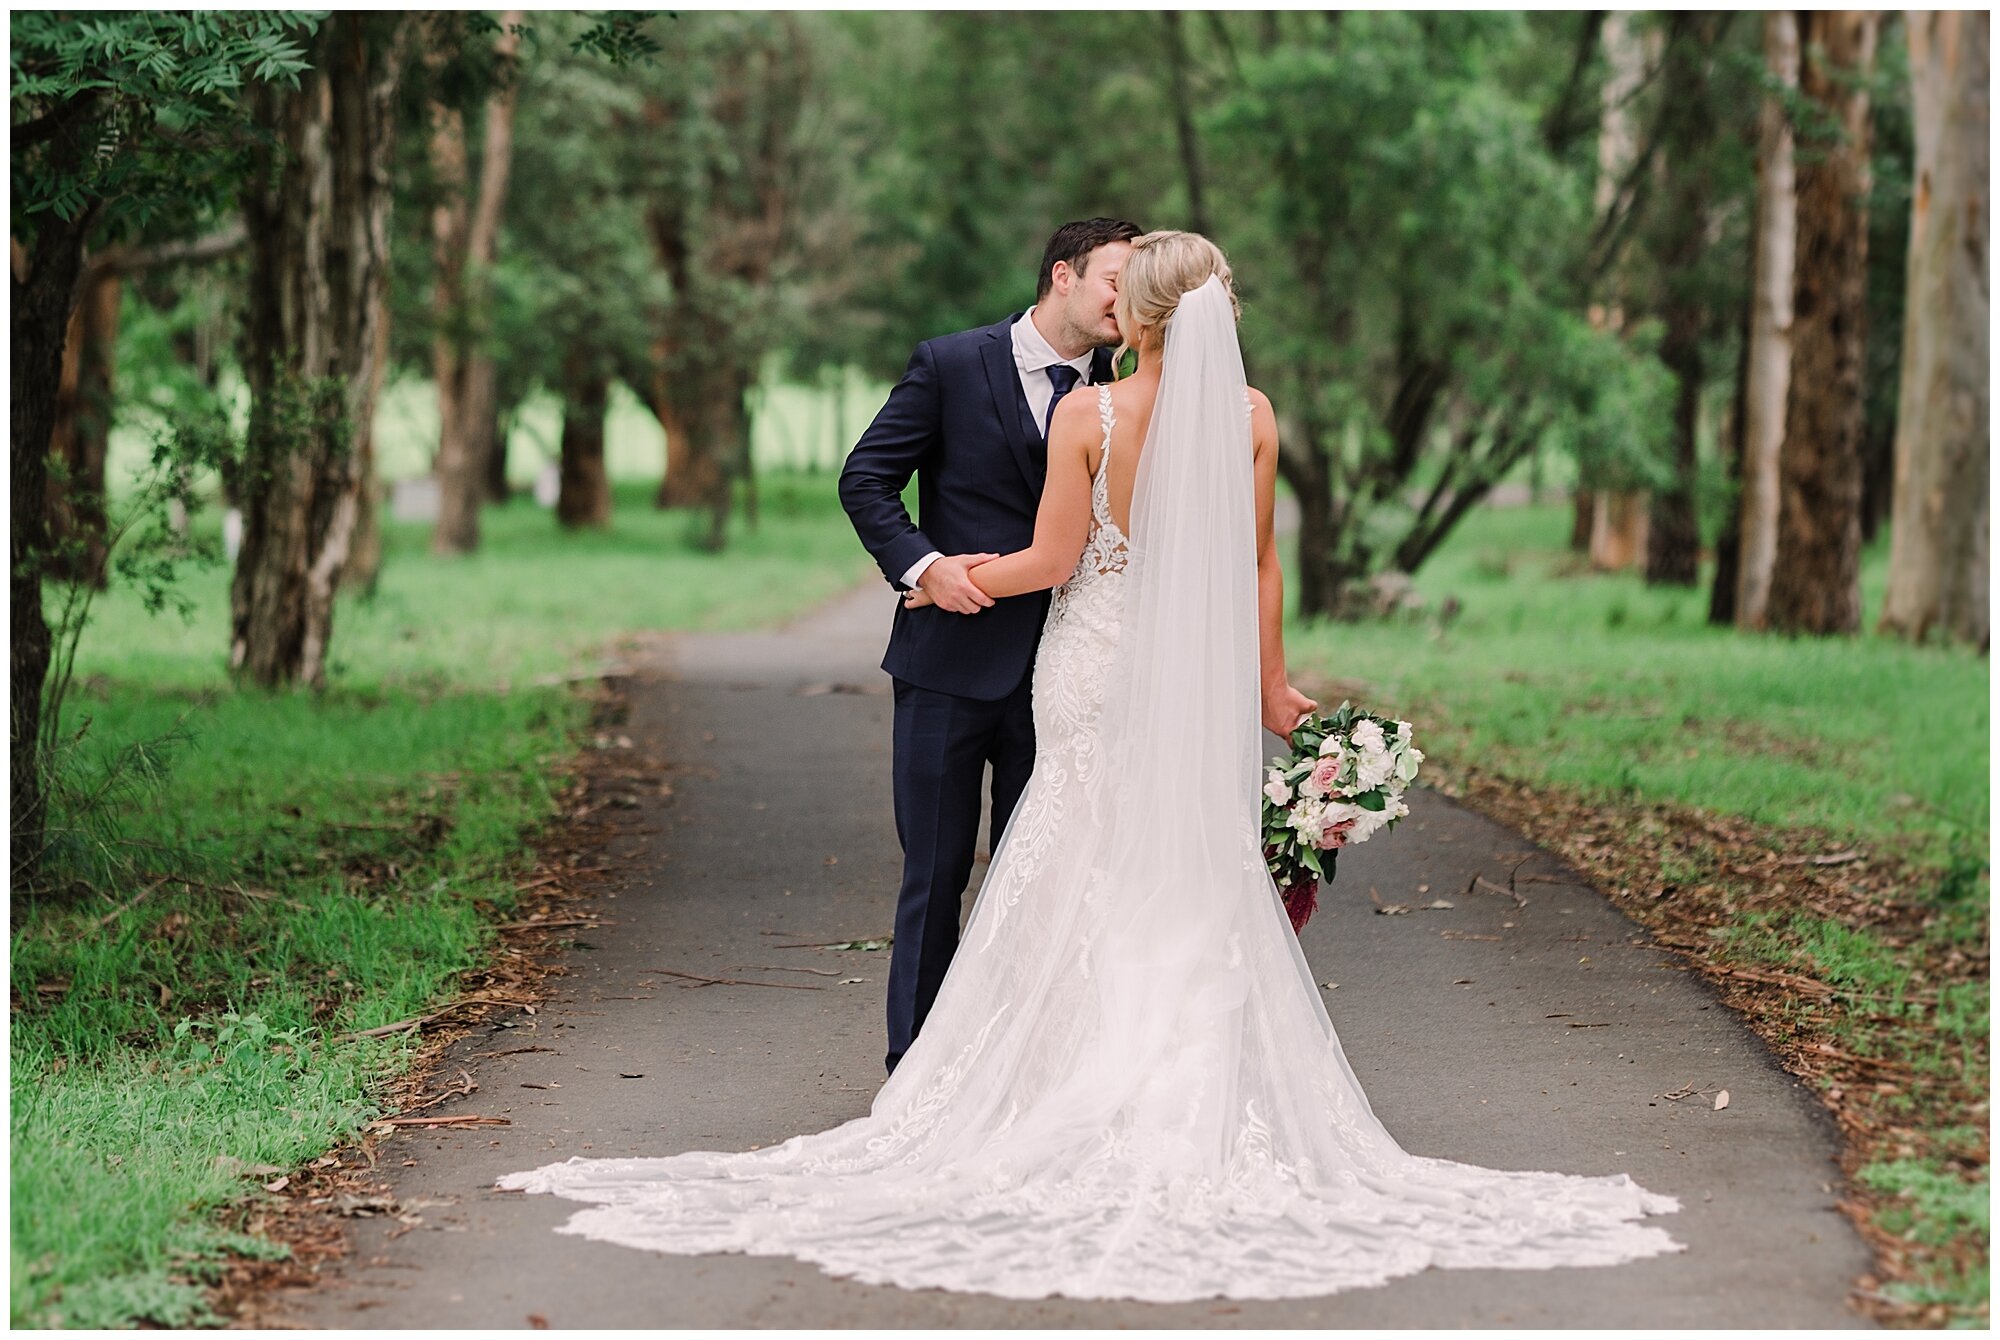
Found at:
[1063, 377]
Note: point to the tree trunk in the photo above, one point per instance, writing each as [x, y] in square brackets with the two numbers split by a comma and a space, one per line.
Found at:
[1618, 517]
[1184, 129]
[1938, 546]
[1769, 375]
[465, 228]
[1582, 513]
[1618, 529]
[585, 499]
[82, 431]
[691, 472]
[1816, 578]
[1729, 545]
[492, 439]
[1673, 540]
[44, 284]
[363, 572]
[317, 206]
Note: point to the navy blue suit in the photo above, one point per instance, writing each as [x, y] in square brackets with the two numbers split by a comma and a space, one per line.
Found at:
[959, 422]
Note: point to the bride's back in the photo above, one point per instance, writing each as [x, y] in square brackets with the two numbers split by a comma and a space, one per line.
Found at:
[1132, 402]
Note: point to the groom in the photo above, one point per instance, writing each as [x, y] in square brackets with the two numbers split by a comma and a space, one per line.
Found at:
[970, 419]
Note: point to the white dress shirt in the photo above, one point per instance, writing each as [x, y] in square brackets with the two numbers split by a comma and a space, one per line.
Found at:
[1033, 357]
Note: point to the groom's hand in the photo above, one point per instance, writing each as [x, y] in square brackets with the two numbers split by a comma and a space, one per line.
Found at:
[1284, 707]
[948, 586]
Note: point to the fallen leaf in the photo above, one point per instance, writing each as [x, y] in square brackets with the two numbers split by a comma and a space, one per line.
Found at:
[279, 1185]
[1331, 986]
[623, 1075]
[852, 981]
[1438, 903]
[1721, 1099]
[538, 1321]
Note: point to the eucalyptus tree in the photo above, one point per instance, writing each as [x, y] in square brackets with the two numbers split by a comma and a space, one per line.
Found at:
[1940, 546]
[1816, 574]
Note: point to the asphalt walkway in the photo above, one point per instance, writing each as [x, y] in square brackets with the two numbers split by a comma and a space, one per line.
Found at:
[1543, 1035]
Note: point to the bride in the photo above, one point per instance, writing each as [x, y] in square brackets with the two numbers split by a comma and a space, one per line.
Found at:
[1128, 1086]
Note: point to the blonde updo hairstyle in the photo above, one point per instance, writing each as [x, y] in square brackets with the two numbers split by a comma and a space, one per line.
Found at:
[1161, 267]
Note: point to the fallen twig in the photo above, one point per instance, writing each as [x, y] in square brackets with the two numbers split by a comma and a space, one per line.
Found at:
[1491, 887]
[553, 921]
[467, 1120]
[730, 981]
[771, 967]
[407, 1025]
[127, 905]
[883, 942]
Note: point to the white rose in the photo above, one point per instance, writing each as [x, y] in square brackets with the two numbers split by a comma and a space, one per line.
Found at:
[1276, 789]
[1330, 745]
[1366, 734]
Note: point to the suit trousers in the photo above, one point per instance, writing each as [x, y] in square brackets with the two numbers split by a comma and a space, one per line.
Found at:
[943, 745]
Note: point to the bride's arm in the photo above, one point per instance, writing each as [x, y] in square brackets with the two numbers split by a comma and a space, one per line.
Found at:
[1062, 525]
[1283, 704]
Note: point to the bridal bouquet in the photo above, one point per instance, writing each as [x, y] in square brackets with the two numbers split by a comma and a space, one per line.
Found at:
[1344, 779]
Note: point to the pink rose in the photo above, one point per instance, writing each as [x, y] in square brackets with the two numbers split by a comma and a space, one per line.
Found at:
[1326, 775]
[1334, 836]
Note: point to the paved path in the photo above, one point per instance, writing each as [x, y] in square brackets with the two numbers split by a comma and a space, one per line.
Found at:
[1532, 1037]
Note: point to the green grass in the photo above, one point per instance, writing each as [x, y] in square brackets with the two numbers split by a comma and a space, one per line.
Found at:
[1623, 693]
[381, 825]
[1601, 683]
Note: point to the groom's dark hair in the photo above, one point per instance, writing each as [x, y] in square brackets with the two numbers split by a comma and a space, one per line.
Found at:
[1073, 242]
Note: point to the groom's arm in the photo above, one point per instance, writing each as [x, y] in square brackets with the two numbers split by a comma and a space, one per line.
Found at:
[906, 433]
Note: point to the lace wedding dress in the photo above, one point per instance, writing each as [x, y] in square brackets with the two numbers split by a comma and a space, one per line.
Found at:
[1128, 1086]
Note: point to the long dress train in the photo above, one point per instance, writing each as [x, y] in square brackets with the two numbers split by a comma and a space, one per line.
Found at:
[1094, 1111]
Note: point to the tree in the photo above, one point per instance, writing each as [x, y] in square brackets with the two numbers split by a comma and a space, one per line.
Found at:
[81, 434]
[1673, 539]
[578, 296]
[1613, 484]
[317, 210]
[1816, 576]
[1769, 372]
[1407, 271]
[127, 122]
[723, 211]
[465, 233]
[1938, 558]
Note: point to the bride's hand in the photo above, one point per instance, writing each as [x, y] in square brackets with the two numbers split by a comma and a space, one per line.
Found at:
[1284, 708]
[917, 598]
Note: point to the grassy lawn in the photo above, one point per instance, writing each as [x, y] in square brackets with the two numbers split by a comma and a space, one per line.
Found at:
[168, 1040]
[1699, 776]
[1600, 683]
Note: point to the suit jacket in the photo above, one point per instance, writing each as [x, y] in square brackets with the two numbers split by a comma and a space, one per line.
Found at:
[959, 422]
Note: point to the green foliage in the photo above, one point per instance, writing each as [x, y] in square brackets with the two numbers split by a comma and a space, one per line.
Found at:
[155, 95]
[82, 843]
[1410, 278]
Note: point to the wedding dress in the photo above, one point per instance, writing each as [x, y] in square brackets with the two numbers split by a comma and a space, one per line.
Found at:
[1128, 1087]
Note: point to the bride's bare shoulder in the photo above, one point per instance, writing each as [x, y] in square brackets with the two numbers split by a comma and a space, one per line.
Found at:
[1259, 402]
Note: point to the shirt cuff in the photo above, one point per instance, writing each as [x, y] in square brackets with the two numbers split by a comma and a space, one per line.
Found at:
[916, 572]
